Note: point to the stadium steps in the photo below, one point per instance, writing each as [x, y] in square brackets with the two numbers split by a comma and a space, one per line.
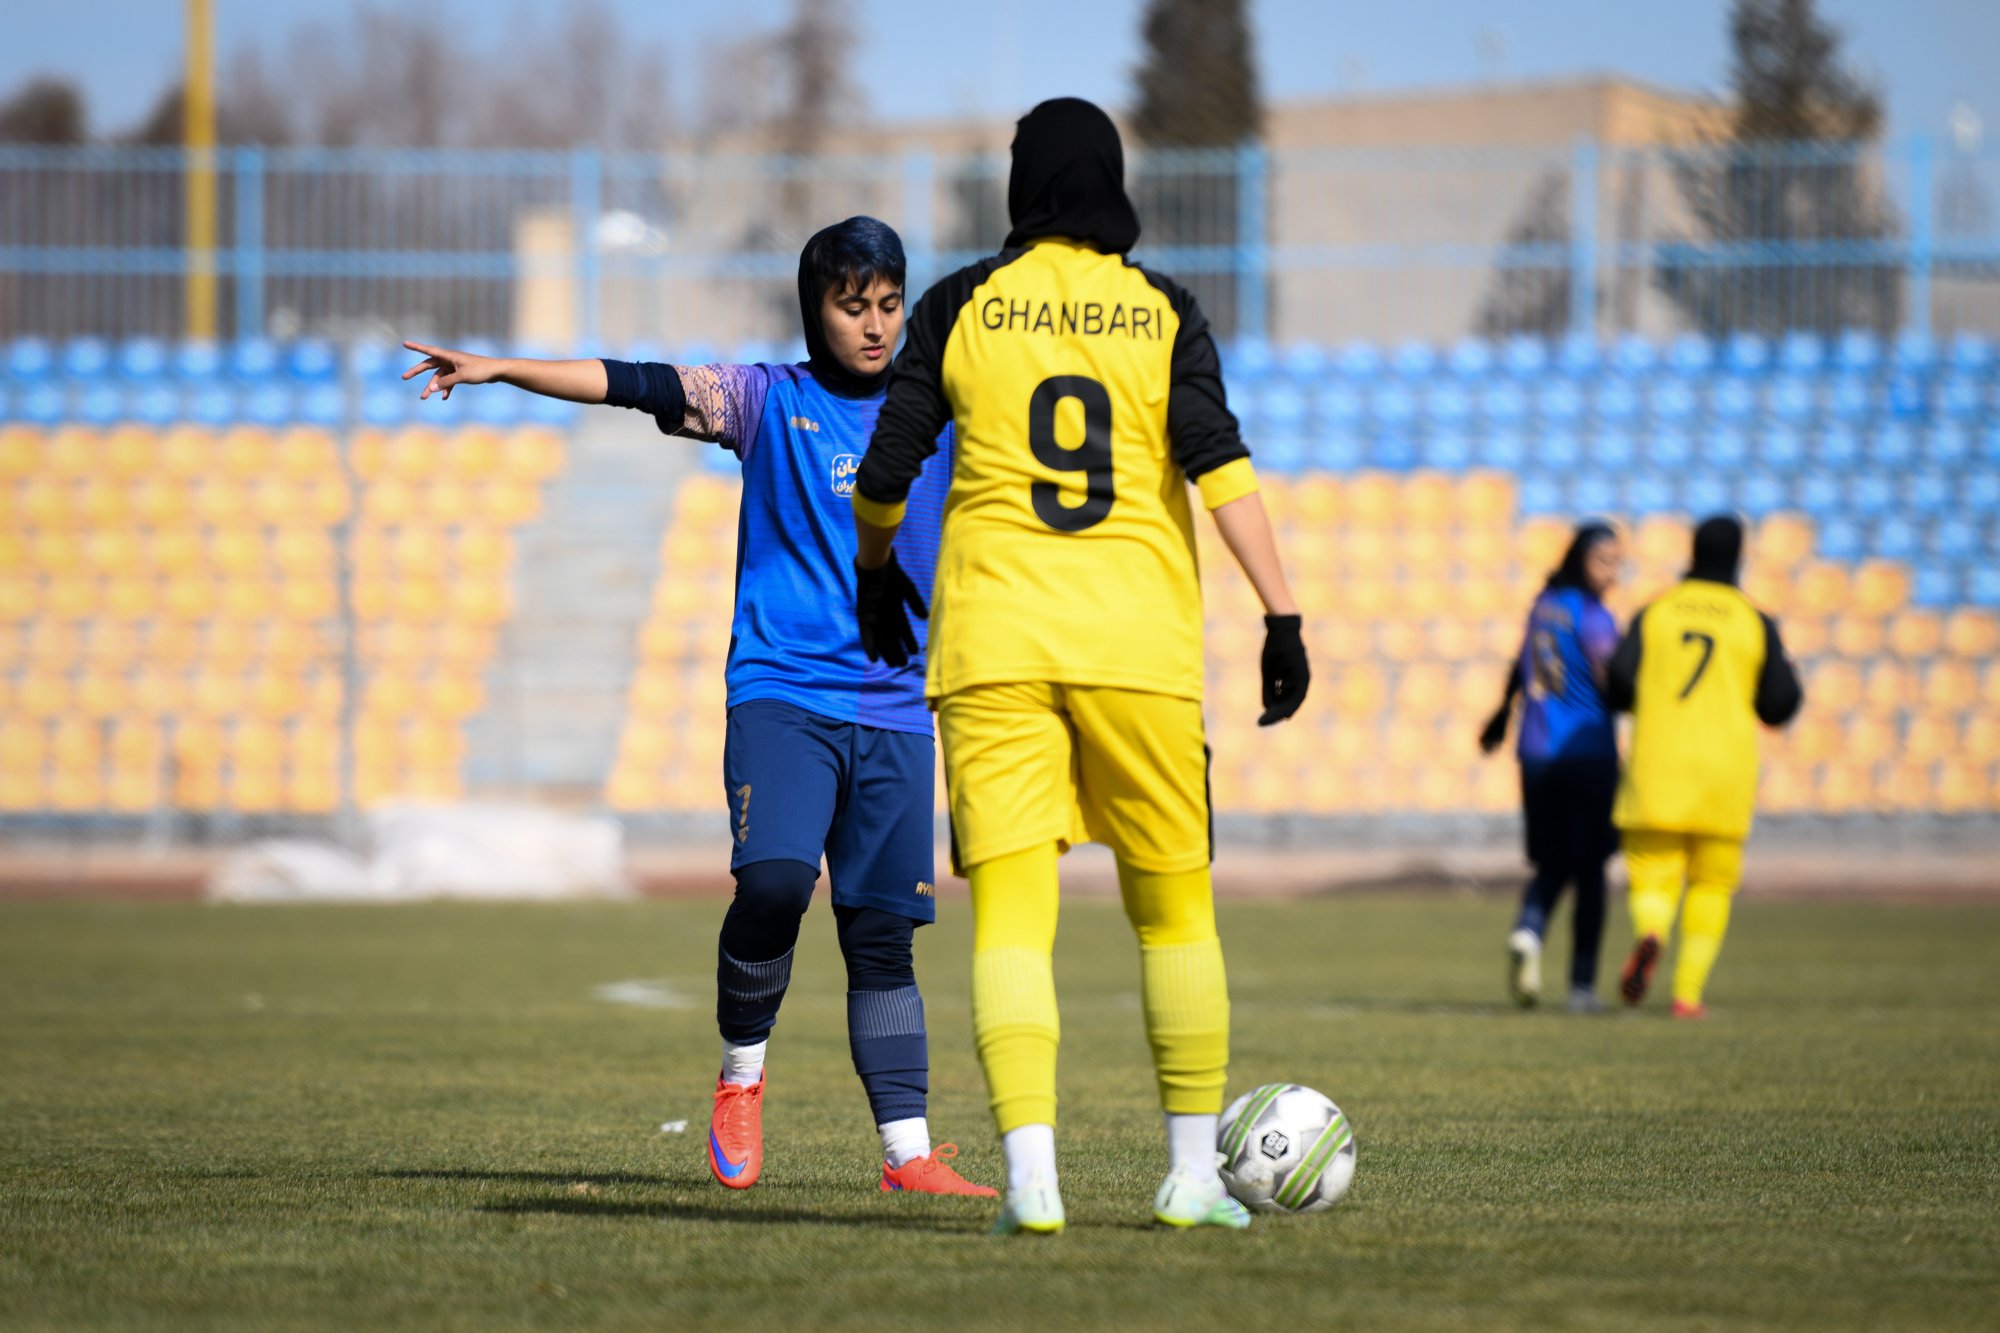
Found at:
[583, 579]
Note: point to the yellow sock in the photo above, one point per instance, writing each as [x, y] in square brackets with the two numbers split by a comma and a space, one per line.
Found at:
[1183, 984]
[1014, 1020]
[1656, 865]
[1704, 921]
[1652, 912]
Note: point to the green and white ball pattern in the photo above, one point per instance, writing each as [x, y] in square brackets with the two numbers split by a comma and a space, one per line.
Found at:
[1285, 1149]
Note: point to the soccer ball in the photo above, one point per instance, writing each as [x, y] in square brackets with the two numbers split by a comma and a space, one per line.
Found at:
[1285, 1149]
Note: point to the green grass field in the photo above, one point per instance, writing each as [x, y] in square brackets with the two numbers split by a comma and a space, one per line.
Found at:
[266, 1117]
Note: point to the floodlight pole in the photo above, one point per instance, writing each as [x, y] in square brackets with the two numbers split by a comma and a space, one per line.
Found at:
[198, 146]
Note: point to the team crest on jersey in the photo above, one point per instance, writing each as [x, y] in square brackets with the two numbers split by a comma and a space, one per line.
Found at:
[844, 468]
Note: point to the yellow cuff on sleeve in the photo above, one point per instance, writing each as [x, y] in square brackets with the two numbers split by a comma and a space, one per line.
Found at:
[876, 514]
[1231, 481]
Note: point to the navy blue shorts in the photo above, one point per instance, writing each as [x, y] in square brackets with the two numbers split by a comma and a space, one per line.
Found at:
[800, 784]
[1567, 804]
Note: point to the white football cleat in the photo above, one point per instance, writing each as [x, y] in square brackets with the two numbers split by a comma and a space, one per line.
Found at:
[1035, 1211]
[1524, 967]
[1187, 1199]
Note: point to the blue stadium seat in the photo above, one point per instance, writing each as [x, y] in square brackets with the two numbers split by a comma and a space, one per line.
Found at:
[1801, 353]
[313, 361]
[1927, 492]
[1503, 449]
[372, 361]
[6, 402]
[1935, 586]
[1338, 404]
[1895, 539]
[1781, 449]
[1837, 449]
[1648, 493]
[1892, 446]
[1747, 353]
[1954, 539]
[325, 405]
[1525, 356]
[388, 405]
[1732, 399]
[1971, 353]
[1503, 404]
[1669, 450]
[1634, 355]
[85, 358]
[1858, 351]
[1446, 450]
[555, 412]
[1304, 363]
[1947, 446]
[1557, 451]
[212, 405]
[1980, 493]
[1991, 542]
[1819, 494]
[1908, 397]
[1691, 354]
[1416, 360]
[1393, 451]
[1869, 494]
[1915, 350]
[1559, 401]
[1283, 454]
[272, 404]
[1471, 359]
[1761, 493]
[29, 359]
[100, 402]
[141, 360]
[1703, 494]
[1612, 450]
[1615, 401]
[1246, 360]
[1278, 406]
[254, 359]
[1982, 586]
[1792, 399]
[1447, 404]
[1592, 493]
[1337, 451]
[1850, 399]
[1960, 398]
[156, 405]
[1671, 401]
[1724, 450]
[500, 406]
[1395, 406]
[1539, 495]
[1578, 355]
[1841, 539]
[1360, 360]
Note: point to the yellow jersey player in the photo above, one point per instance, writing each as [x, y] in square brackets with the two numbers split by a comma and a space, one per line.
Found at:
[1699, 669]
[1066, 640]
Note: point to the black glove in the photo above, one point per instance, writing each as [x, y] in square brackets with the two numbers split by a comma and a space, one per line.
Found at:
[1286, 674]
[881, 596]
[1495, 734]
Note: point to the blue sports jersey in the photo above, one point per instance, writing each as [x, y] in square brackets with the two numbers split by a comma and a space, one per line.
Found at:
[1570, 636]
[794, 637]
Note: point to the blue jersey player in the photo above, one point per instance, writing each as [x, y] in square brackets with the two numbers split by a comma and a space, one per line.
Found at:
[1569, 760]
[827, 753]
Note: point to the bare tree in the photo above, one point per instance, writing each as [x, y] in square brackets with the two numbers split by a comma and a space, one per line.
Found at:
[46, 111]
[1530, 289]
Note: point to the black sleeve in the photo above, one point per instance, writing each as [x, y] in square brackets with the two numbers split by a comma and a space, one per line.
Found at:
[1621, 676]
[1513, 682]
[1779, 693]
[648, 386]
[915, 409]
[1204, 431]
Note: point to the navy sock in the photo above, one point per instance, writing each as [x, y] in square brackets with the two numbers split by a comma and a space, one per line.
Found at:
[885, 1012]
[753, 958]
[1588, 926]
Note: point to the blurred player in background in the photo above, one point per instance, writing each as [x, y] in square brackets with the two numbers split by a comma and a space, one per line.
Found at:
[1066, 659]
[826, 752]
[1569, 760]
[1699, 668]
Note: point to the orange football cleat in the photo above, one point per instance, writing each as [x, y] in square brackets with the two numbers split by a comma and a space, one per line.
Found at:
[1638, 973]
[932, 1175]
[1682, 1009]
[736, 1133]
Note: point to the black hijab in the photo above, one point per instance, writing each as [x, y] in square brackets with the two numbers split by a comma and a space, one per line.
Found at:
[1569, 574]
[826, 368]
[1069, 178]
[1718, 549]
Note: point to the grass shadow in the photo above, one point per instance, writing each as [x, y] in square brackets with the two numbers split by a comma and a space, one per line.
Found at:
[539, 1177]
[753, 1215]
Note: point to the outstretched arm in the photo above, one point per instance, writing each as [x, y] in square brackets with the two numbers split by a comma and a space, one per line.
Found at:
[575, 381]
[1246, 531]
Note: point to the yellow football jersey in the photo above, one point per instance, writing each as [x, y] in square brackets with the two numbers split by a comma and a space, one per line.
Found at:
[1085, 392]
[1700, 668]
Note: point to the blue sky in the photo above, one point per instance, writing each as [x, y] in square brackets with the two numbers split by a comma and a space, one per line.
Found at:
[927, 58]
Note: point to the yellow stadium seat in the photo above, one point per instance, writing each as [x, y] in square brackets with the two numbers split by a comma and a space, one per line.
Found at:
[472, 453]
[1781, 541]
[159, 501]
[1422, 693]
[1903, 786]
[1843, 788]
[75, 451]
[433, 745]
[312, 791]
[1430, 501]
[482, 550]
[1478, 551]
[1949, 684]
[507, 501]
[101, 691]
[214, 692]
[16, 552]
[391, 694]
[1805, 636]
[53, 642]
[418, 552]
[1868, 739]
[1453, 638]
[1881, 586]
[43, 693]
[631, 788]
[111, 643]
[303, 551]
[371, 454]
[21, 789]
[654, 693]
[391, 502]
[1785, 788]
[248, 600]
[187, 452]
[1374, 500]
[113, 551]
[648, 742]
[170, 642]
[454, 696]
[58, 551]
[1362, 691]
[22, 450]
[448, 503]
[1979, 736]
[1915, 634]
[1963, 787]
[1857, 634]
[44, 501]
[275, 694]
[276, 500]
[303, 600]
[231, 643]
[222, 502]
[1317, 503]
[237, 552]
[247, 452]
[1486, 499]
[305, 453]
[324, 693]
[416, 454]
[157, 691]
[1365, 600]
[134, 791]
[76, 790]
[1399, 640]
[1974, 634]
[422, 600]
[703, 499]
[1541, 543]
[534, 455]
[133, 598]
[1887, 686]
[255, 790]
[1823, 588]
[463, 643]
[374, 598]
[1833, 686]
[478, 601]
[327, 500]
[72, 598]
[131, 451]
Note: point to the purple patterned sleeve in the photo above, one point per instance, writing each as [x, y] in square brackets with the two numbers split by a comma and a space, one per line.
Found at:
[1599, 634]
[724, 403]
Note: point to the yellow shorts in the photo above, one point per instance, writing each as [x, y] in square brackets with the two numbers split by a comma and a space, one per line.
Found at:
[1657, 860]
[1031, 764]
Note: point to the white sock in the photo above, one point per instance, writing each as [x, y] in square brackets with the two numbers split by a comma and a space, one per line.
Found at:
[905, 1140]
[1031, 1156]
[742, 1064]
[1191, 1144]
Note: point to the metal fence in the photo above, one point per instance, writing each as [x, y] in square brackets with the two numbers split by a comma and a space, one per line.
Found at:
[587, 249]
